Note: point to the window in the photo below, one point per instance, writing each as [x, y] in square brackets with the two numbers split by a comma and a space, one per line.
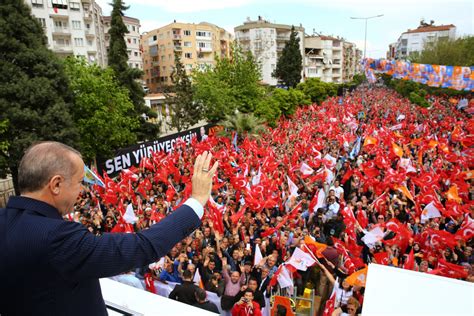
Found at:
[78, 42]
[133, 28]
[135, 54]
[170, 57]
[154, 37]
[60, 25]
[189, 66]
[188, 55]
[75, 6]
[37, 3]
[129, 52]
[90, 42]
[187, 33]
[59, 4]
[203, 33]
[42, 22]
[204, 45]
[162, 57]
[137, 66]
[88, 26]
[134, 41]
[62, 42]
[129, 40]
[76, 25]
[188, 44]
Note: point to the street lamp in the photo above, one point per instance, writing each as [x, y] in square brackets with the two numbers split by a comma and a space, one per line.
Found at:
[366, 18]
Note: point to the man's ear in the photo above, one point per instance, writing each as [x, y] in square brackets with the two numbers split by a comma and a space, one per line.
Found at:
[54, 184]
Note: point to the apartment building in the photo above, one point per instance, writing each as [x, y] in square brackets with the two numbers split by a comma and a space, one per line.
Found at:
[414, 40]
[266, 42]
[197, 45]
[132, 39]
[72, 27]
[324, 58]
[351, 57]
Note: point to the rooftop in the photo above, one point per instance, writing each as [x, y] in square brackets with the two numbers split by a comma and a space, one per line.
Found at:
[430, 28]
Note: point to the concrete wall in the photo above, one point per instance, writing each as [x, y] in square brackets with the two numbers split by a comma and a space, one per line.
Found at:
[6, 190]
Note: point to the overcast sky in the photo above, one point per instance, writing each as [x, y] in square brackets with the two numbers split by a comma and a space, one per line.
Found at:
[331, 17]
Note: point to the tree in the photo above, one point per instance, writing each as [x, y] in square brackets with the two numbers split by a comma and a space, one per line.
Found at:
[245, 124]
[317, 90]
[34, 90]
[184, 111]
[232, 84]
[127, 76]
[450, 52]
[100, 109]
[290, 64]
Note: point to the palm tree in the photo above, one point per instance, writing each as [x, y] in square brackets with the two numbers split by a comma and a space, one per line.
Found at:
[245, 124]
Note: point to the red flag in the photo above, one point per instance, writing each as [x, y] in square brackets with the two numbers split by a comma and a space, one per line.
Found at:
[450, 270]
[410, 263]
[331, 302]
[382, 258]
[150, 283]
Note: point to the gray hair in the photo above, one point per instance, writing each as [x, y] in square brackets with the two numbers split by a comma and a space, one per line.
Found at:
[41, 162]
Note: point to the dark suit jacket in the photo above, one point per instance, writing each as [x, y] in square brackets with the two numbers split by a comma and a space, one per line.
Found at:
[184, 293]
[49, 266]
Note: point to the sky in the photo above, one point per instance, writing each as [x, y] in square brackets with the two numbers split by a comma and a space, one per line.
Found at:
[332, 17]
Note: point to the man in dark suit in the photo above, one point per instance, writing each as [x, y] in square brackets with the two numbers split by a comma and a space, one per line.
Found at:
[66, 258]
[186, 292]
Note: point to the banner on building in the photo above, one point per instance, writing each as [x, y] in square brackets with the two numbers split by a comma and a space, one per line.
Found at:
[131, 156]
[452, 77]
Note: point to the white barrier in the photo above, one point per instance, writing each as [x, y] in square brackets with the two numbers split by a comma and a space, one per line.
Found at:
[394, 291]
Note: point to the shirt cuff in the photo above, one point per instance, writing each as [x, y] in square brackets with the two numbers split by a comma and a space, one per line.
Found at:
[196, 206]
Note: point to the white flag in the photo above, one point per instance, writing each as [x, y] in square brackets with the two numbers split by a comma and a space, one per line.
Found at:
[373, 236]
[129, 215]
[305, 169]
[285, 279]
[329, 175]
[321, 200]
[331, 160]
[293, 188]
[258, 255]
[256, 178]
[301, 260]
[430, 211]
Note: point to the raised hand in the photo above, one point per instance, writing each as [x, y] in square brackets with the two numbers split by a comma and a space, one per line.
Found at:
[202, 177]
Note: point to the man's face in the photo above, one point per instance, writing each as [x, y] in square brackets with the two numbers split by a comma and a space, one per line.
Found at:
[207, 231]
[70, 187]
[234, 277]
[253, 285]
[271, 261]
[248, 296]
[265, 273]
[212, 265]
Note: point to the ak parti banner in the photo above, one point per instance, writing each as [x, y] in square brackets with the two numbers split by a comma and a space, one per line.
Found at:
[452, 77]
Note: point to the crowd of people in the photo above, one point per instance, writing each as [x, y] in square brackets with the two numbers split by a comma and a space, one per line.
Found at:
[365, 178]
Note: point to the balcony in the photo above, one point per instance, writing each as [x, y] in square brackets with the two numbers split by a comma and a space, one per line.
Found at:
[178, 48]
[244, 38]
[90, 33]
[205, 49]
[176, 36]
[283, 38]
[87, 16]
[62, 49]
[280, 48]
[61, 31]
[57, 13]
[155, 63]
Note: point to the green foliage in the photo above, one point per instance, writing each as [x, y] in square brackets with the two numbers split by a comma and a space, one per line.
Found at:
[101, 108]
[288, 100]
[184, 112]
[450, 52]
[418, 99]
[268, 110]
[245, 124]
[318, 90]
[34, 91]
[232, 84]
[290, 64]
[127, 76]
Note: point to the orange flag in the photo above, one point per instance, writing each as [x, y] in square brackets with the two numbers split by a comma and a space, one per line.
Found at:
[452, 194]
[369, 140]
[405, 192]
[357, 278]
[397, 150]
[319, 247]
[432, 143]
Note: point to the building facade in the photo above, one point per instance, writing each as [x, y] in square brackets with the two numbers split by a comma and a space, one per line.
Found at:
[414, 40]
[196, 44]
[132, 39]
[330, 58]
[72, 27]
[266, 42]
